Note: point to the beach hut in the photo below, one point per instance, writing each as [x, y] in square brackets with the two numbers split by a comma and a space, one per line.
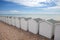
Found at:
[57, 31]
[9, 18]
[24, 23]
[46, 28]
[3, 18]
[18, 22]
[13, 21]
[33, 25]
[6, 19]
[0, 18]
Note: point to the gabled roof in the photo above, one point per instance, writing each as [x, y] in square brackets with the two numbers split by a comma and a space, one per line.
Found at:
[51, 20]
[38, 19]
[27, 18]
[10, 17]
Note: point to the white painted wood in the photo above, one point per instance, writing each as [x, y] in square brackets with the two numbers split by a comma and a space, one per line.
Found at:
[4, 19]
[0, 18]
[57, 31]
[46, 29]
[13, 21]
[18, 22]
[23, 24]
[33, 26]
[7, 20]
[10, 20]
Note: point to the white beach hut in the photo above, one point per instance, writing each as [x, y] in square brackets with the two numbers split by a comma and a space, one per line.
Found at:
[0, 18]
[46, 28]
[13, 21]
[57, 31]
[18, 22]
[6, 19]
[3, 18]
[24, 23]
[10, 20]
[33, 25]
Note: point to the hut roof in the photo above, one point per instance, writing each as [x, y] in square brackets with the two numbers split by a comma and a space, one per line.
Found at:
[52, 21]
[38, 19]
[25, 18]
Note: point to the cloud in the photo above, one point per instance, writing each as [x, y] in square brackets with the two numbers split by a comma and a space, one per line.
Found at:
[58, 2]
[10, 12]
[56, 7]
[34, 3]
[14, 11]
[24, 12]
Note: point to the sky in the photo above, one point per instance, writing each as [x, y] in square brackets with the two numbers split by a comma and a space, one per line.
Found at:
[29, 6]
[34, 7]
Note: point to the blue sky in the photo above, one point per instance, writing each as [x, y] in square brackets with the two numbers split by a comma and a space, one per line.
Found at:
[29, 7]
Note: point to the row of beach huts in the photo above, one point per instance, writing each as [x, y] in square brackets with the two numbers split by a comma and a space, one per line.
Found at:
[47, 28]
